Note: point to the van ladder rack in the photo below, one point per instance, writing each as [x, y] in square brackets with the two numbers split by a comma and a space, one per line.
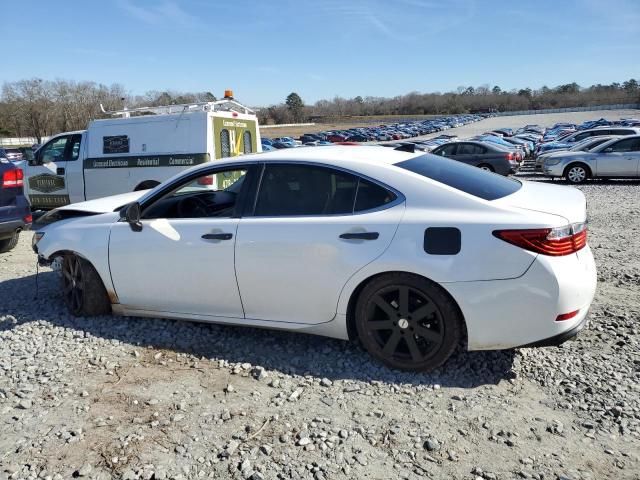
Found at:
[225, 105]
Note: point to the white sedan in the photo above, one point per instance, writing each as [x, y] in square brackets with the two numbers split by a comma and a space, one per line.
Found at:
[410, 254]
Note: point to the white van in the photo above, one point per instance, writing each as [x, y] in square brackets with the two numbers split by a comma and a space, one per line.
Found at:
[130, 153]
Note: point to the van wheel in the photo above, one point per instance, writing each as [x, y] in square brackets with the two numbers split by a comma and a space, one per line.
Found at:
[9, 243]
[146, 185]
[576, 173]
[82, 288]
[408, 322]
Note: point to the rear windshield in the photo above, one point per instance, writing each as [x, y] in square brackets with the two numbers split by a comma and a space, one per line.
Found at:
[471, 180]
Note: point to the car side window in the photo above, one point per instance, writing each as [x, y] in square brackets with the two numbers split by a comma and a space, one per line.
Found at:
[465, 149]
[294, 190]
[469, 149]
[626, 145]
[72, 151]
[370, 196]
[211, 195]
[581, 136]
[54, 150]
[447, 150]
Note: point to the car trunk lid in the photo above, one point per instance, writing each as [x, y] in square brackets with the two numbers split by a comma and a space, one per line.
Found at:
[566, 202]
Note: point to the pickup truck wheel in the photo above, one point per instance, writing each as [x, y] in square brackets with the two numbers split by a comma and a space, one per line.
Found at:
[82, 288]
[9, 243]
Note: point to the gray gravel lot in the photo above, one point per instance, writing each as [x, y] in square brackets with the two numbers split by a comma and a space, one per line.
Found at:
[133, 398]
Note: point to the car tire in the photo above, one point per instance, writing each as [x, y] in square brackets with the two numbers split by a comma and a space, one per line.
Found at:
[487, 167]
[9, 243]
[408, 322]
[576, 173]
[82, 288]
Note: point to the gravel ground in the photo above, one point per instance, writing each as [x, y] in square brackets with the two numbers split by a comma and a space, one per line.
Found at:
[138, 398]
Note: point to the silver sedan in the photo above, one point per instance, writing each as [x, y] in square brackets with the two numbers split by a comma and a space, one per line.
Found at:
[617, 158]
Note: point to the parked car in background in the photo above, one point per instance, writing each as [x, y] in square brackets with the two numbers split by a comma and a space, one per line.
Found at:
[581, 146]
[572, 138]
[486, 156]
[517, 150]
[12, 154]
[617, 158]
[15, 212]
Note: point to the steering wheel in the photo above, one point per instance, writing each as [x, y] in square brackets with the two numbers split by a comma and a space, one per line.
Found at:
[193, 207]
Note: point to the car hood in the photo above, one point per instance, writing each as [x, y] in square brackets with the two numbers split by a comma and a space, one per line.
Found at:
[566, 202]
[105, 204]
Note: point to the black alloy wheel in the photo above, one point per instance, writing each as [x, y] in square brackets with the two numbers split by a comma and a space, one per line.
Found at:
[73, 283]
[82, 288]
[410, 325]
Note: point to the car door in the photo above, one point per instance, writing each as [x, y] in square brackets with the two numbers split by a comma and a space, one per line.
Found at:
[311, 228]
[619, 159]
[182, 259]
[46, 175]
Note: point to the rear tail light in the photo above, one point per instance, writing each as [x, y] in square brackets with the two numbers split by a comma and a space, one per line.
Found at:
[13, 178]
[554, 242]
[28, 219]
[509, 156]
[208, 180]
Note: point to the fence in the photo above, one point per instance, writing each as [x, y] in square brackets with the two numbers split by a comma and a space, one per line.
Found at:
[20, 141]
[620, 106]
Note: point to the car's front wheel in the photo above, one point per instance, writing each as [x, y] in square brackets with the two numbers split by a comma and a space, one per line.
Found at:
[576, 173]
[82, 288]
[408, 322]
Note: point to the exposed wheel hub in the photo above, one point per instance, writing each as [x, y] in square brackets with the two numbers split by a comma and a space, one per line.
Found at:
[403, 323]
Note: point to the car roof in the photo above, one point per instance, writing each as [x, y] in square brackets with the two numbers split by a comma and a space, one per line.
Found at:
[334, 155]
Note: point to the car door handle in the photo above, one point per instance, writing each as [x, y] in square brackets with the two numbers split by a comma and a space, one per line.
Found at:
[217, 236]
[360, 236]
[60, 171]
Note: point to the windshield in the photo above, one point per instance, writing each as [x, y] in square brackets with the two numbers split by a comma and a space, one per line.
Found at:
[471, 180]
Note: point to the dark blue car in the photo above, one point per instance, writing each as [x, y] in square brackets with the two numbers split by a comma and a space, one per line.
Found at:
[15, 212]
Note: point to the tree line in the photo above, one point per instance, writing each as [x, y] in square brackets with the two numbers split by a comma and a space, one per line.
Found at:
[484, 98]
[40, 108]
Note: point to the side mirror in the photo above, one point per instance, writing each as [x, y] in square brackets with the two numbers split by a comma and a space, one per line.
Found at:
[608, 150]
[131, 214]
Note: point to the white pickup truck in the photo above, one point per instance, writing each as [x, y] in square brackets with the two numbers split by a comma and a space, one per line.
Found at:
[138, 150]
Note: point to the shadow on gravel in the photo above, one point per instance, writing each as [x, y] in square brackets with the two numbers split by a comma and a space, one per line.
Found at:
[290, 353]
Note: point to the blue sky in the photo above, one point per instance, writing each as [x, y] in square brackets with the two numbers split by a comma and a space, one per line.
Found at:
[264, 49]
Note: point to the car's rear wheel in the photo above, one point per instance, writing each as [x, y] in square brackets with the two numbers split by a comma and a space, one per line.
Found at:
[408, 322]
[82, 288]
[9, 243]
[576, 173]
[486, 167]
